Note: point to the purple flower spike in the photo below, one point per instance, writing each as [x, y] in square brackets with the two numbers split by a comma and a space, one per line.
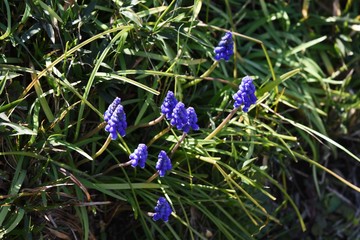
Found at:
[115, 118]
[162, 210]
[168, 105]
[179, 116]
[109, 112]
[163, 164]
[246, 94]
[191, 121]
[225, 48]
[139, 156]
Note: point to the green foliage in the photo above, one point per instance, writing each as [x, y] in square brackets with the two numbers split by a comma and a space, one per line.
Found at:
[287, 167]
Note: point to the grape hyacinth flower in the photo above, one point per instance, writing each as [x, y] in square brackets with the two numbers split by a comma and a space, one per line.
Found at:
[246, 94]
[225, 48]
[115, 118]
[184, 119]
[168, 105]
[139, 156]
[191, 120]
[163, 164]
[179, 117]
[162, 210]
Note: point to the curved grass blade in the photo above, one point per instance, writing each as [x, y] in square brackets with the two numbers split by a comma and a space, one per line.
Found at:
[14, 222]
[122, 35]
[8, 15]
[126, 80]
[68, 53]
[304, 46]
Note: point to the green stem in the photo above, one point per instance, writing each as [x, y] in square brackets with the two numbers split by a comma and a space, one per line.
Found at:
[205, 74]
[269, 62]
[162, 15]
[159, 135]
[150, 179]
[128, 163]
[153, 122]
[98, 153]
[92, 132]
[316, 164]
[125, 145]
[263, 48]
[224, 122]
[177, 144]
[45, 106]
[103, 148]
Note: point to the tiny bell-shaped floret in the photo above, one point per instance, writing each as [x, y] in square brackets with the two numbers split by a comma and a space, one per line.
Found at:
[179, 116]
[246, 94]
[225, 48]
[139, 156]
[163, 164]
[168, 105]
[109, 112]
[115, 118]
[191, 120]
[162, 210]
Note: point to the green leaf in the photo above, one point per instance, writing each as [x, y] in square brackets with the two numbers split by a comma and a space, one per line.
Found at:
[272, 84]
[128, 186]
[151, 11]
[50, 11]
[33, 30]
[132, 16]
[10, 105]
[126, 80]
[19, 130]
[304, 46]
[196, 9]
[91, 185]
[57, 142]
[14, 221]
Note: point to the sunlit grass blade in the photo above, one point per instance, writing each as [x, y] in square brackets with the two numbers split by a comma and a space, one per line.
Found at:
[126, 80]
[306, 45]
[271, 85]
[8, 14]
[68, 53]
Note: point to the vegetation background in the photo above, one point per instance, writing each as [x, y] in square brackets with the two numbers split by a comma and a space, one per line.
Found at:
[287, 169]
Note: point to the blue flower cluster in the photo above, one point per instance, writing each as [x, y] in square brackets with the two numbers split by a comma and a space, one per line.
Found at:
[225, 48]
[163, 164]
[180, 117]
[162, 210]
[191, 121]
[139, 156]
[115, 118]
[246, 94]
[168, 105]
[184, 119]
